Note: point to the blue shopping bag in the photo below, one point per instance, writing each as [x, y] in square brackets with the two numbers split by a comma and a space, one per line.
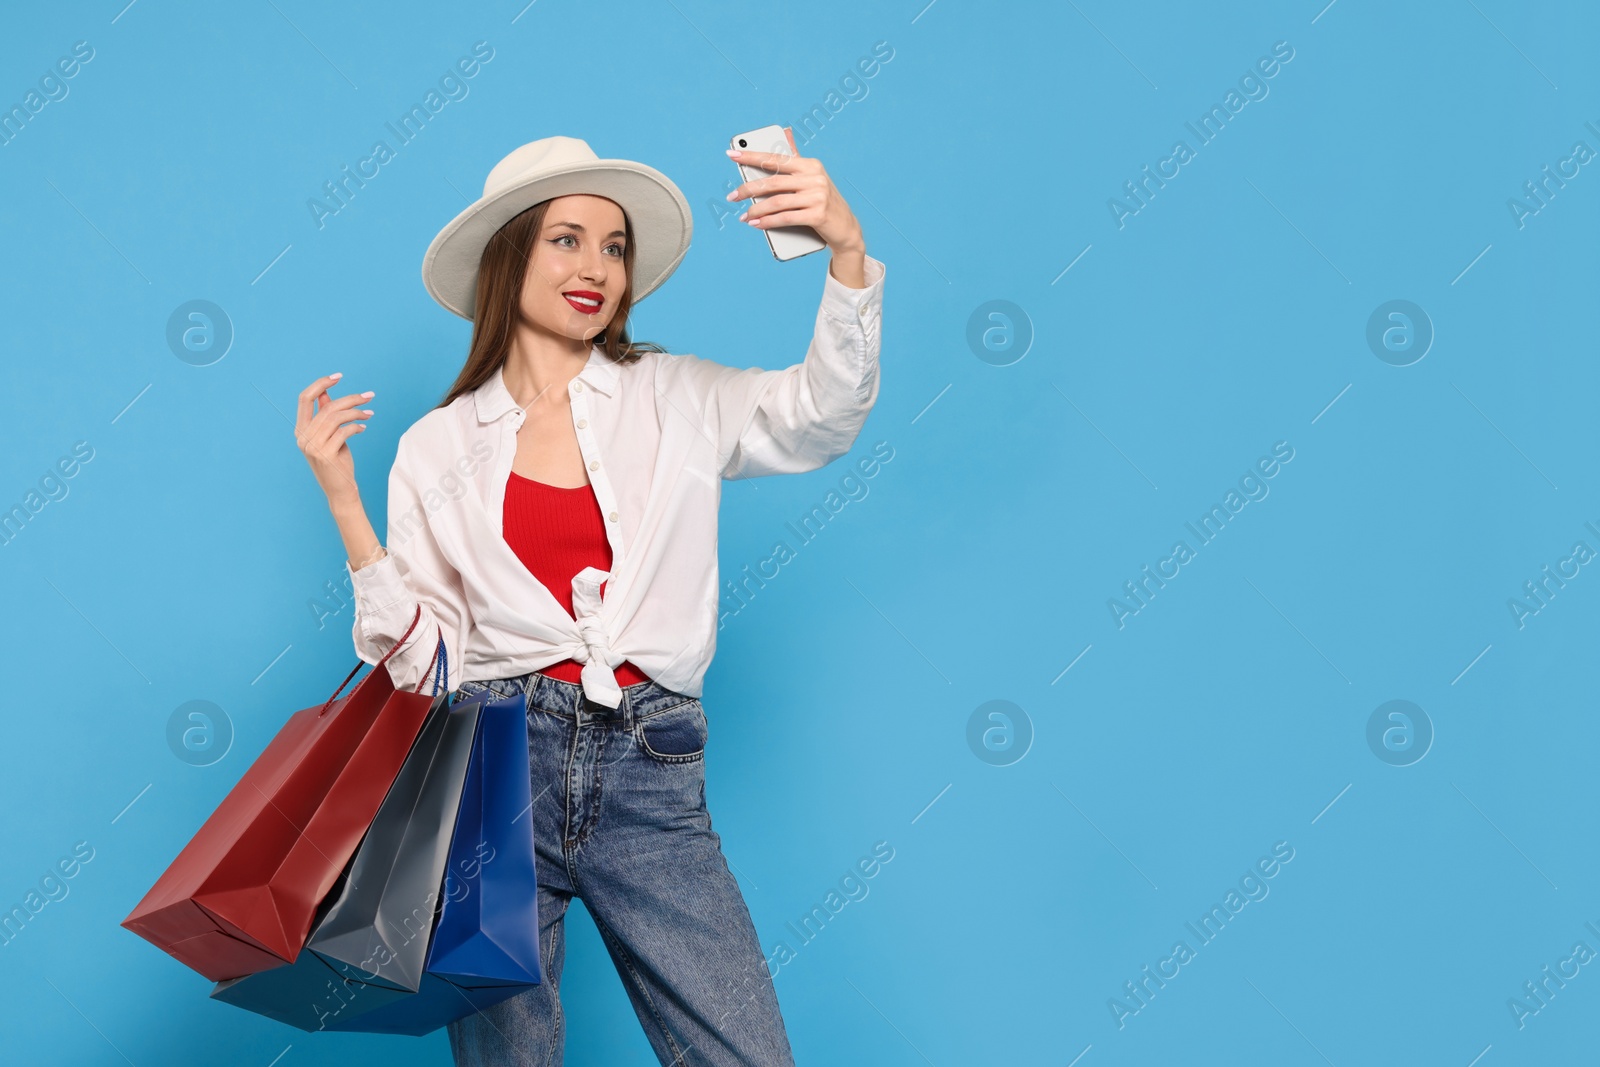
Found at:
[485, 944]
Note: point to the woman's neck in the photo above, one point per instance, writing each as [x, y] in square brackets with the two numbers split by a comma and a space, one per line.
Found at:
[538, 369]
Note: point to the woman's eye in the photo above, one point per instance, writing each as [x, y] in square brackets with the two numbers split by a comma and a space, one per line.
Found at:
[615, 249]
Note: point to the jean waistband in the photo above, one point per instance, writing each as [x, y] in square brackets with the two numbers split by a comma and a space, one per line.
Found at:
[569, 700]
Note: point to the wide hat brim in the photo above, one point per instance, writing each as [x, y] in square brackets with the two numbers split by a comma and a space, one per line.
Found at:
[659, 214]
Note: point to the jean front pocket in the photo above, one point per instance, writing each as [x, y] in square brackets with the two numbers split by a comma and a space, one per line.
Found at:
[676, 735]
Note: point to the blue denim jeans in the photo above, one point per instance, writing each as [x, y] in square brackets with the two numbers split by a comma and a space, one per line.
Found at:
[620, 821]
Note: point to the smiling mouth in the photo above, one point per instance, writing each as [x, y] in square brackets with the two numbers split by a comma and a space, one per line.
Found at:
[586, 302]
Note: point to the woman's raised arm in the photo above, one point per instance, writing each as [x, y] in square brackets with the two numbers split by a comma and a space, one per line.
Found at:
[801, 417]
[388, 586]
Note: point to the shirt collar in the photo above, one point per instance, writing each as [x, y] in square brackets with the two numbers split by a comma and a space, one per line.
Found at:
[494, 399]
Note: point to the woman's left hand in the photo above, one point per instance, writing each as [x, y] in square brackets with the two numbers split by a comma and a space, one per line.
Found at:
[800, 193]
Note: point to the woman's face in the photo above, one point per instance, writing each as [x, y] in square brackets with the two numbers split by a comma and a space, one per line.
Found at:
[575, 272]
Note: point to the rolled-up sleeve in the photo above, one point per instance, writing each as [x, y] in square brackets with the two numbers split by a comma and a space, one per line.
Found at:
[414, 571]
[805, 416]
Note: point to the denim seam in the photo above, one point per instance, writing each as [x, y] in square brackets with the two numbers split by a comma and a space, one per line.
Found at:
[595, 793]
[555, 995]
[678, 1054]
[569, 854]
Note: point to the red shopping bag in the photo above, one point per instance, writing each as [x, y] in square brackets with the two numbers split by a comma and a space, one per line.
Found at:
[241, 896]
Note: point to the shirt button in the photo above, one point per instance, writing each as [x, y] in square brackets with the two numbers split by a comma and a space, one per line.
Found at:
[595, 465]
[582, 423]
[613, 516]
[577, 387]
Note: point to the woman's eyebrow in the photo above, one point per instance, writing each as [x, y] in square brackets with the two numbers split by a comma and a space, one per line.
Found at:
[575, 226]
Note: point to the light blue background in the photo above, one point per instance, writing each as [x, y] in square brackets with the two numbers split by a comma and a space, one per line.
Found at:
[1225, 316]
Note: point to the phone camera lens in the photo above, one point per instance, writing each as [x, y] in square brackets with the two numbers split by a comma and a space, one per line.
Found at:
[743, 143]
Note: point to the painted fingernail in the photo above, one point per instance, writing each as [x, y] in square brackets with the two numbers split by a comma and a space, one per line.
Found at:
[337, 374]
[734, 152]
[369, 392]
[733, 195]
[741, 217]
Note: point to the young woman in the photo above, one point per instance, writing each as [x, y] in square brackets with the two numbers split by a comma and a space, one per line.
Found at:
[555, 517]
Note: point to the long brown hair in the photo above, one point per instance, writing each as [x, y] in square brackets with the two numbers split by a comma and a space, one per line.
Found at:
[501, 273]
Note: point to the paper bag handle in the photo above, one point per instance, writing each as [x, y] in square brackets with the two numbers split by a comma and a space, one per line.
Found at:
[438, 649]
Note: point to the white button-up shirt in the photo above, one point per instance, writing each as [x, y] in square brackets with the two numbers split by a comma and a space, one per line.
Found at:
[658, 437]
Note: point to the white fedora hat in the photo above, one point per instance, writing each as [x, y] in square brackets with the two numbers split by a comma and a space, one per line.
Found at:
[545, 169]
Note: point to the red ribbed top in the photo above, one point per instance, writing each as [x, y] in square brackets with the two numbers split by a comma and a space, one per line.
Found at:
[556, 532]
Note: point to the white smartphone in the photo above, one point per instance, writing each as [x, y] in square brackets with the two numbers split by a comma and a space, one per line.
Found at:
[786, 242]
